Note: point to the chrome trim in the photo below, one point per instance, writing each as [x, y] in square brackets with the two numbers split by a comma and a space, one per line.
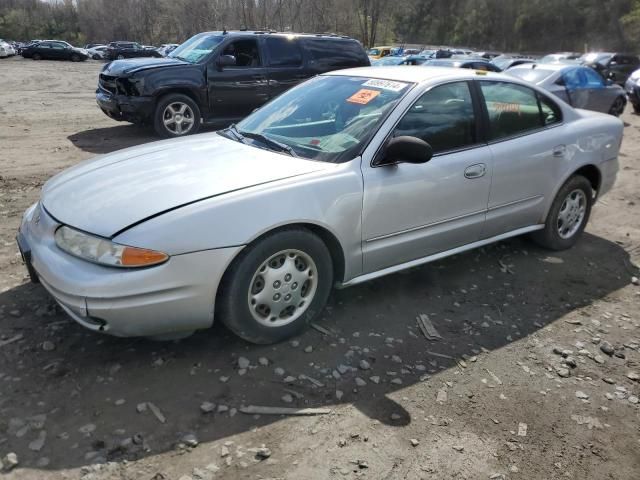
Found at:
[421, 227]
[437, 256]
[515, 202]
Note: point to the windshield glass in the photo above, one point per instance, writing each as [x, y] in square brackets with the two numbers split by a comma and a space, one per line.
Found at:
[197, 47]
[328, 118]
[535, 75]
[601, 58]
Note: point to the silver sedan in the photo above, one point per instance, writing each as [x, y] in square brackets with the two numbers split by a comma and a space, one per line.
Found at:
[581, 87]
[348, 177]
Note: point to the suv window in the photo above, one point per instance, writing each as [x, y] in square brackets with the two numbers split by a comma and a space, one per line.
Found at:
[284, 52]
[329, 54]
[245, 52]
[516, 110]
[443, 117]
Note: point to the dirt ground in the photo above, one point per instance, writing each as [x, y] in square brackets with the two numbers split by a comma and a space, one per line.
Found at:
[490, 400]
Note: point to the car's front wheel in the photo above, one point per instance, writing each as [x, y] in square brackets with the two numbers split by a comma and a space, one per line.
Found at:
[567, 216]
[75, 58]
[277, 285]
[176, 115]
[37, 56]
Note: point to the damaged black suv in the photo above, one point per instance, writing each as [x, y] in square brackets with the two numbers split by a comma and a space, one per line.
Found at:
[218, 77]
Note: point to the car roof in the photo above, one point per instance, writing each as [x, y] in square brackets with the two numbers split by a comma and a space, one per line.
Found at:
[410, 73]
[227, 33]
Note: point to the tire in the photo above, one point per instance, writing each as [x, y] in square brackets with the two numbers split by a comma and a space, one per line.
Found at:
[636, 109]
[120, 57]
[75, 58]
[37, 56]
[617, 108]
[564, 225]
[296, 261]
[96, 57]
[176, 115]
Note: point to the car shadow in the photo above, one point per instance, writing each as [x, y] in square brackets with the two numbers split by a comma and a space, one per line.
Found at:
[109, 139]
[83, 388]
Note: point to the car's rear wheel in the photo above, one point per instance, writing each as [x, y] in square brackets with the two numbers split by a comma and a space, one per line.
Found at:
[275, 288]
[37, 56]
[176, 115]
[617, 108]
[567, 216]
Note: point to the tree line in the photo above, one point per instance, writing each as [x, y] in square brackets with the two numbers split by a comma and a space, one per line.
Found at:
[505, 25]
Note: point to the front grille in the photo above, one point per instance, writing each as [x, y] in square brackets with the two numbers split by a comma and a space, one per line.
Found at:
[108, 83]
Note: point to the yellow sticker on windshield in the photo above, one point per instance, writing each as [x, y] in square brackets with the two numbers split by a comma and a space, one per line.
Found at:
[363, 96]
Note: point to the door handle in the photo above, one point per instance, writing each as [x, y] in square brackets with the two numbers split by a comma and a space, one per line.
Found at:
[559, 150]
[475, 171]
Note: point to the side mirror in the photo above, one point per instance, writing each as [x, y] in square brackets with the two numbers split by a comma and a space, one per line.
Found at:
[405, 149]
[226, 61]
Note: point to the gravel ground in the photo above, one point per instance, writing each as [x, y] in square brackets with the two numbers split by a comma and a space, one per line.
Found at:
[490, 399]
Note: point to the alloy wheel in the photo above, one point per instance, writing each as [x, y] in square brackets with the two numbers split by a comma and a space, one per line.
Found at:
[178, 118]
[571, 214]
[282, 288]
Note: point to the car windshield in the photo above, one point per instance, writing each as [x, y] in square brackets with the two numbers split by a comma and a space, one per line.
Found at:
[197, 47]
[328, 118]
[601, 58]
[534, 75]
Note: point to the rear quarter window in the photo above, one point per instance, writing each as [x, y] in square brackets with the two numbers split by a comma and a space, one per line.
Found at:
[284, 51]
[516, 110]
[332, 54]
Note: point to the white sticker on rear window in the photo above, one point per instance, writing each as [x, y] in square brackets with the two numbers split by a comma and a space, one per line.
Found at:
[384, 84]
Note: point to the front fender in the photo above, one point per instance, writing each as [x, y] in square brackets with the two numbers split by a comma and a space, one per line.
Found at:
[330, 199]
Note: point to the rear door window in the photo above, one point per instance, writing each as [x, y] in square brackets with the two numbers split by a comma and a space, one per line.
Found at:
[593, 79]
[516, 110]
[284, 52]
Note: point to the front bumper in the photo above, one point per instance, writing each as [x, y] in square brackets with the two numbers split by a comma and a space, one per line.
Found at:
[177, 296]
[125, 109]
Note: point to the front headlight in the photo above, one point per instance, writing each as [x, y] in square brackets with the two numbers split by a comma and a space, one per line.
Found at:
[104, 251]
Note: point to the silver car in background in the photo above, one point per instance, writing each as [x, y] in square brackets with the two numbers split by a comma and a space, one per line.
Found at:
[350, 176]
[581, 87]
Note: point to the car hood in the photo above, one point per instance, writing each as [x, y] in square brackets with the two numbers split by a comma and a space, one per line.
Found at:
[120, 67]
[106, 195]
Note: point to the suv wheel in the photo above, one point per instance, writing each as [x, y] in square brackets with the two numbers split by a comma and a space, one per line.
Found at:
[275, 288]
[567, 216]
[176, 115]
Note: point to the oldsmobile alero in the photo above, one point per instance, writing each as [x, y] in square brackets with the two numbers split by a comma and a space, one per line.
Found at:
[347, 177]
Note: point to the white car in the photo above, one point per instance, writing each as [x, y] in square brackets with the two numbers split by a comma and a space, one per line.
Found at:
[6, 49]
[98, 52]
[352, 175]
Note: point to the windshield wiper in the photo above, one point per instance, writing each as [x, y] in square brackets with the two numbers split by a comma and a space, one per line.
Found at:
[282, 147]
[237, 136]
